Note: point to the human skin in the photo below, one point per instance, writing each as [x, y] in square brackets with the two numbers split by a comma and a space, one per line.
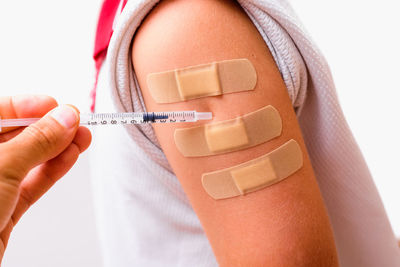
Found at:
[32, 159]
[285, 224]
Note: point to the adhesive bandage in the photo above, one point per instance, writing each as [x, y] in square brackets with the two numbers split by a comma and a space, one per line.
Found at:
[231, 135]
[254, 174]
[212, 79]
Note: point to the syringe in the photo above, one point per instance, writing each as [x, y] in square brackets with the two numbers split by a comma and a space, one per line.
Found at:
[122, 118]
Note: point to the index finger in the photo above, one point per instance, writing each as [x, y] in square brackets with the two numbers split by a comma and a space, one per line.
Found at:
[25, 106]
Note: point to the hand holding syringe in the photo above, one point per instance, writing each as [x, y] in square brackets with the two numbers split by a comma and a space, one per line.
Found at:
[123, 118]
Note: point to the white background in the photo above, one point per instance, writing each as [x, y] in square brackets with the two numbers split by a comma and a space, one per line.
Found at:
[46, 47]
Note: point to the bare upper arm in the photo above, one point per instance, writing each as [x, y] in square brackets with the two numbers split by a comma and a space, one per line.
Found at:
[285, 224]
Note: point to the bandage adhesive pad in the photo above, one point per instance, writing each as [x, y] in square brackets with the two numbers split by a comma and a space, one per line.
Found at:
[255, 174]
[231, 135]
[217, 78]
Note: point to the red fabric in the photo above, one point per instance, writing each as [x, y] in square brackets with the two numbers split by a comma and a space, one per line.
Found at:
[103, 36]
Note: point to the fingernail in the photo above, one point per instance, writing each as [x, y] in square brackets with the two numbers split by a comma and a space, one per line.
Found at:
[65, 115]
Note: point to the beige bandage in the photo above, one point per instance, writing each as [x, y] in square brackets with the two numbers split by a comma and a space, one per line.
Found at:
[212, 79]
[231, 135]
[254, 174]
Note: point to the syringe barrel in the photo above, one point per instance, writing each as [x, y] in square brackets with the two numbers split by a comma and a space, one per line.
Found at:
[122, 118]
[203, 115]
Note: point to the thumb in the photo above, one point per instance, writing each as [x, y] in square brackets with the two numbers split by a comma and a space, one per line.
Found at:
[40, 141]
